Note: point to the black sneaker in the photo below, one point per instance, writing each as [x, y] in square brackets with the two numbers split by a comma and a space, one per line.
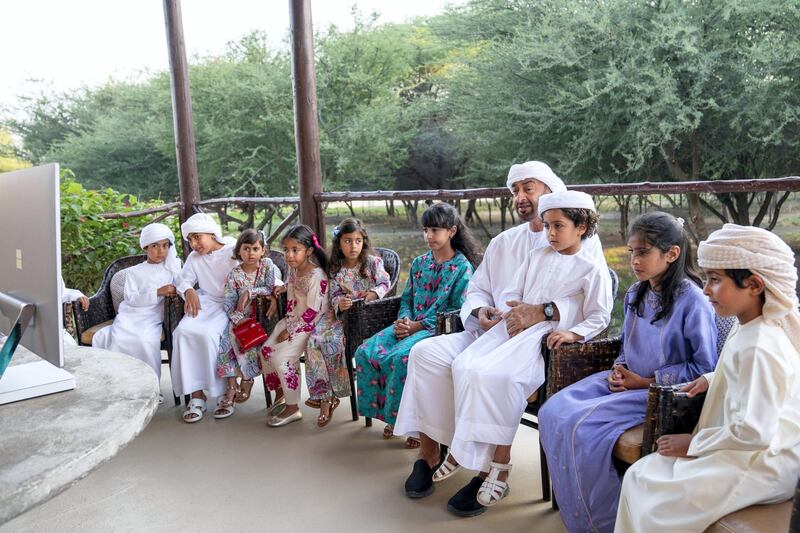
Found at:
[465, 501]
[420, 483]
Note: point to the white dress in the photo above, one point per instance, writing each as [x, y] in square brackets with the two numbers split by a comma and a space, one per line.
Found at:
[429, 381]
[195, 341]
[495, 375]
[746, 447]
[137, 327]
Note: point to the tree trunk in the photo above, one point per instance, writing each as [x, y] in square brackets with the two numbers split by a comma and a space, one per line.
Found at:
[350, 207]
[411, 211]
[471, 212]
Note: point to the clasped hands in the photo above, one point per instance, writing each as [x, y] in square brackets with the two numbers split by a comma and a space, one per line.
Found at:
[520, 317]
[404, 327]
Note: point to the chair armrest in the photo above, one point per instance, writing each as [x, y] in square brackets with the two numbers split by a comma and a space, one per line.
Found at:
[448, 322]
[100, 310]
[262, 306]
[363, 320]
[173, 312]
[669, 411]
[570, 363]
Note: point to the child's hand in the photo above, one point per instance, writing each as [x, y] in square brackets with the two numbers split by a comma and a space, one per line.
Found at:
[84, 301]
[278, 290]
[192, 303]
[370, 296]
[615, 380]
[674, 445]
[283, 336]
[244, 301]
[557, 338]
[488, 317]
[630, 380]
[404, 328]
[273, 307]
[166, 290]
[696, 387]
[345, 303]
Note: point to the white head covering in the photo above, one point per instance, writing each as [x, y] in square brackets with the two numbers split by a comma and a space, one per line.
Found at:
[203, 223]
[565, 200]
[158, 232]
[763, 253]
[536, 170]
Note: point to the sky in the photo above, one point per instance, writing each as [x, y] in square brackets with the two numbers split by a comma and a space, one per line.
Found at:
[74, 43]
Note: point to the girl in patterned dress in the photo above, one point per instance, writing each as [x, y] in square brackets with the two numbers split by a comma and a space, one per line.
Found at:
[307, 303]
[255, 276]
[437, 282]
[354, 273]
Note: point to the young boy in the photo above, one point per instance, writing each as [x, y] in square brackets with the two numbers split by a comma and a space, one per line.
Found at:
[196, 339]
[137, 327]
[745, 449]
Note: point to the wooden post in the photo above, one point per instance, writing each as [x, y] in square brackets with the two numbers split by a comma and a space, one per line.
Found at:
[306, 128]
[181, 109]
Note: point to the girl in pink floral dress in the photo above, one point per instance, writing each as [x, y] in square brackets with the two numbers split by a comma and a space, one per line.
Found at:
[307, 302]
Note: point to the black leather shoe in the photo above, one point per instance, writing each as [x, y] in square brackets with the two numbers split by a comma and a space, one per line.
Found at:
[420, 483]
[465, 501]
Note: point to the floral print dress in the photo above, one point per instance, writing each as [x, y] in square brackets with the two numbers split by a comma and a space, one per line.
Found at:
[307, 302]
[326, 368]
[259, 283]
[382, 360]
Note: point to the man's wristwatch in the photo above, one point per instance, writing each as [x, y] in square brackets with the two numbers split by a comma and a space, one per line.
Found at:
[549, 310]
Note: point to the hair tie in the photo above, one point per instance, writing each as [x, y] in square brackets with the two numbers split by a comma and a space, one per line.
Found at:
[680, 221]
[336, 231]
[316, 242]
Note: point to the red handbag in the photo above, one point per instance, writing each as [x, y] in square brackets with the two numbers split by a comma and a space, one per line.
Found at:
[249, 333]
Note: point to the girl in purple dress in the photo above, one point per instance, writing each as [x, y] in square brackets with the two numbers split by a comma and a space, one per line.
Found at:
[669, 336]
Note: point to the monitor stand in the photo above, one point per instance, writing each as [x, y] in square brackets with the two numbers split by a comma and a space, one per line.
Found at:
[27, 380]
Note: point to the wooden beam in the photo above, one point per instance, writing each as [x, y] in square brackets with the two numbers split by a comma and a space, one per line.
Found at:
[306, 128]
[181, 108]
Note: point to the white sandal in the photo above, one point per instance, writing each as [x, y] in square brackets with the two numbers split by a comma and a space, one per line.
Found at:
[445, 470]
[224, 408]
[197, 406]
[493, 490]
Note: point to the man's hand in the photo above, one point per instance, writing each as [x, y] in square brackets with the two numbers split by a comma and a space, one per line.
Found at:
[630, 380]
[244, 301]
[696, 387]
[404, 327]
[674, 445]
[521, 316]
[191, 304]
[166, 290]
[84, 301]
[557, 338]
[488, 317]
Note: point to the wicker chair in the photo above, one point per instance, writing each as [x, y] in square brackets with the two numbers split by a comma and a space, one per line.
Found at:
[104, 304]
[174, 311]
[364, 320]
[670, 411]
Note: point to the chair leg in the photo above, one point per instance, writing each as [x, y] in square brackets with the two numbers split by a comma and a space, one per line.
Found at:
[350, 376]
[545, 473]
[267, 393]
[175, 397]
[367, 422]
[442, 453]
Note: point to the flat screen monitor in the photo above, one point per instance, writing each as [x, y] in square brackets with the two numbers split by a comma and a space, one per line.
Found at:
[30, 261]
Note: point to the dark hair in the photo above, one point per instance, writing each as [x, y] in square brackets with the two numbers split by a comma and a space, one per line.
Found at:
[249, 236]
[336, 259]
[306, 236]
[739, 276]
[663, 231]
[441, 215]
[578, 216]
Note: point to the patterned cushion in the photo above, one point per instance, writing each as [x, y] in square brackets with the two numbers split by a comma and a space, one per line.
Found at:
[118, 289]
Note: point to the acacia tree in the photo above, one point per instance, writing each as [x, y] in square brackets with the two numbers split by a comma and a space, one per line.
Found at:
[633, 90]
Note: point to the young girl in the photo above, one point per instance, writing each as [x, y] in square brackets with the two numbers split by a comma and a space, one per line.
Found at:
[196, 339]
[253, 277]
[437, 282]
[137, 327]
[668, 337]
[745, 449]
[307, 302]
[354, 273]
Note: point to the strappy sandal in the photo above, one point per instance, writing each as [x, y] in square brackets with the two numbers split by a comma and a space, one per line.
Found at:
[446, 470]
[314, 404]
[196, 407]
[412, 443]
[323, 419]
[243, 394]
[493, 490]
[225, 408]
[388, 432]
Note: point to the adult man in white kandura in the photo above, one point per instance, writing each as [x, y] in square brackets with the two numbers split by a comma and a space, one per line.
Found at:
[427, 409]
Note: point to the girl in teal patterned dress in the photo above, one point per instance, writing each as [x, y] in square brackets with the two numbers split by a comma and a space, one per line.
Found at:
[353, 273]
[437, 282]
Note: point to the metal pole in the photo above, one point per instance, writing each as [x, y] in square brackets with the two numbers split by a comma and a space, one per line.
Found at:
[306, 129]
[181, 108]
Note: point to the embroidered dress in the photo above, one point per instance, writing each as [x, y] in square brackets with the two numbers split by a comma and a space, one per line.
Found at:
[580, 425]
[326, 369]
[306, 303]
[258, 283]
[382, 360]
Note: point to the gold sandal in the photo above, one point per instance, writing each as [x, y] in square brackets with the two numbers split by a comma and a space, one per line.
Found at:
[243, 394]
[323, 419]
